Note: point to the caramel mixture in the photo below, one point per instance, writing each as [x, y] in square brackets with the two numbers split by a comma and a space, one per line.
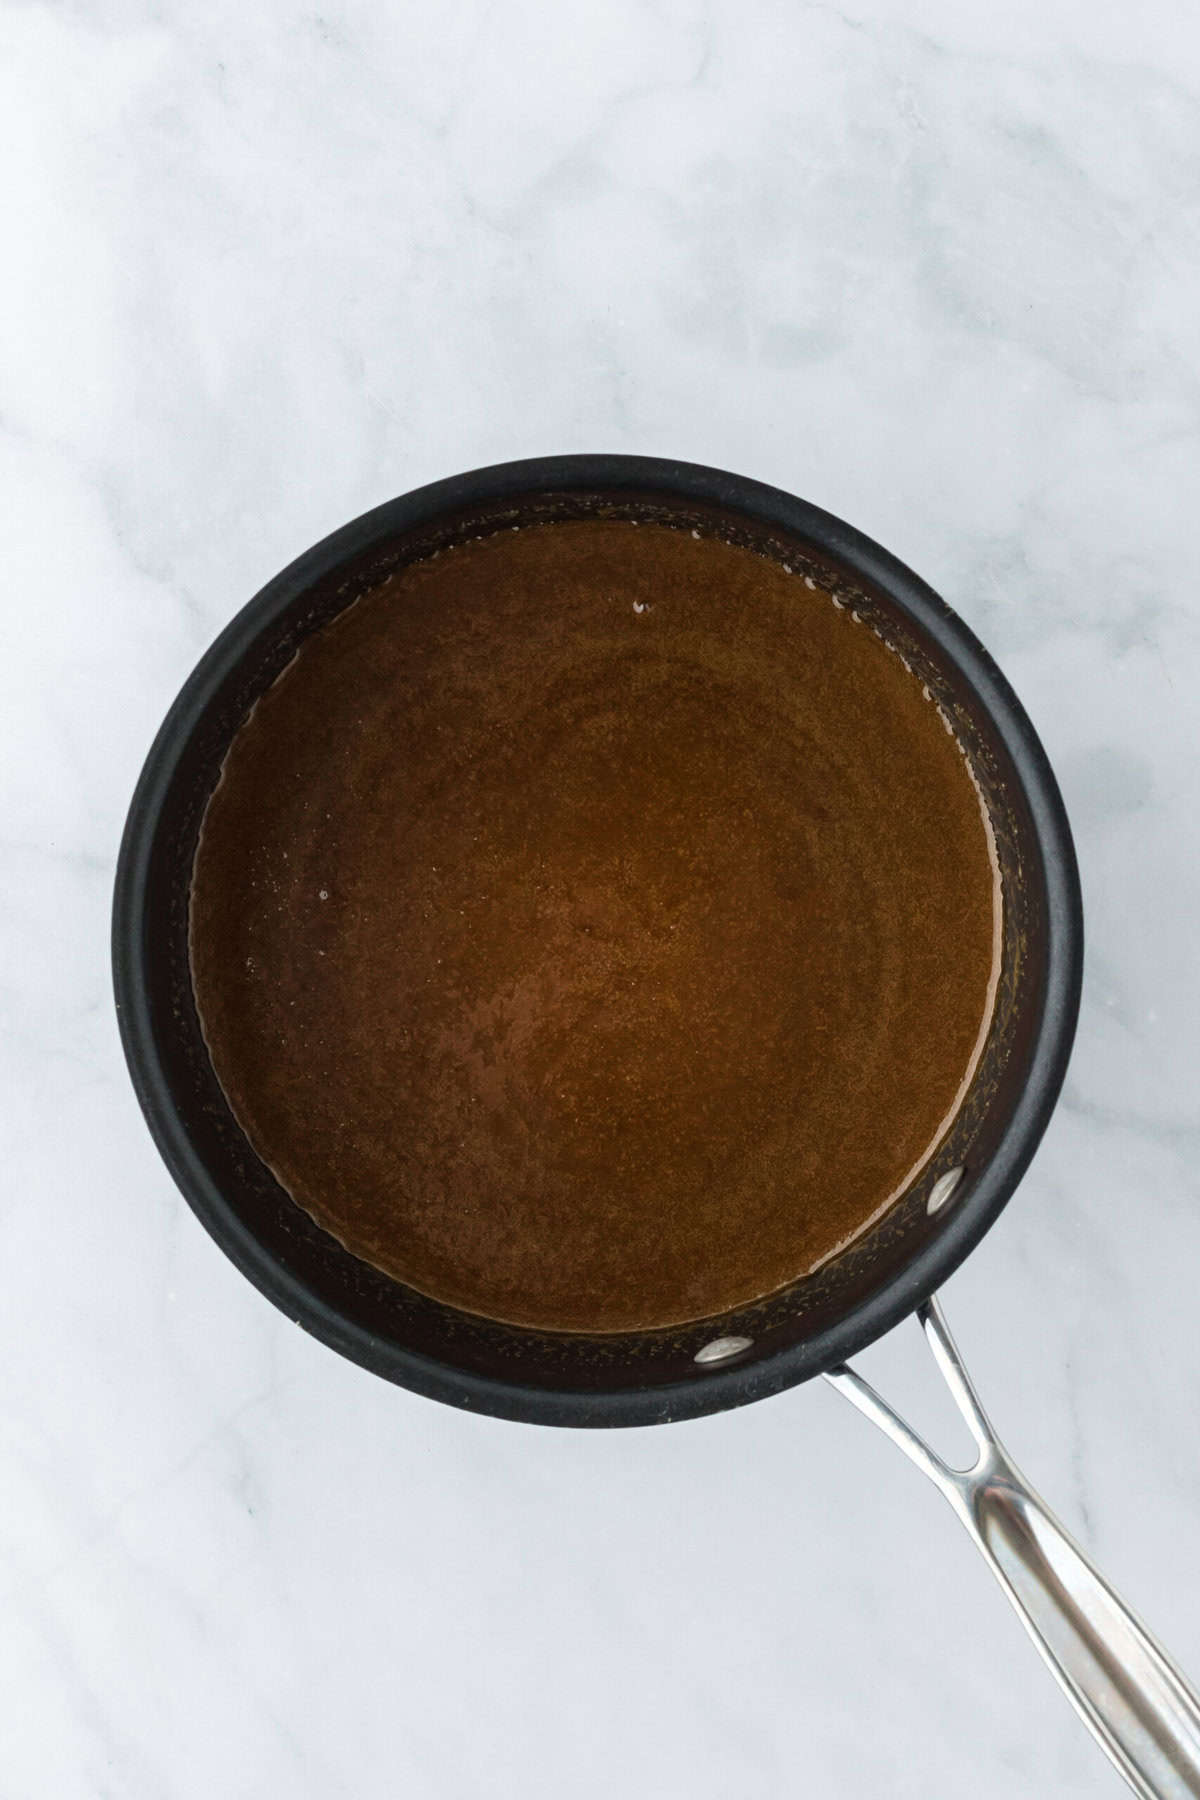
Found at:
[594, 927]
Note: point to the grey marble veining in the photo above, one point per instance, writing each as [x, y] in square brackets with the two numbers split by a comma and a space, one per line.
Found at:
[934, 268]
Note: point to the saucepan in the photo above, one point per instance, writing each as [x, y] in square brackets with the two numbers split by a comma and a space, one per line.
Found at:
[1139, 1707]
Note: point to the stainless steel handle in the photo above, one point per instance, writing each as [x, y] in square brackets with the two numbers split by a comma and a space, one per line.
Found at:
[1134, 1700]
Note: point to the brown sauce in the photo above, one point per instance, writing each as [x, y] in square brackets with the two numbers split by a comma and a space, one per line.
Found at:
[594, 927]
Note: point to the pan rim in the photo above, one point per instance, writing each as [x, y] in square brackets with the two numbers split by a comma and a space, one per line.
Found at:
[1052, 1031]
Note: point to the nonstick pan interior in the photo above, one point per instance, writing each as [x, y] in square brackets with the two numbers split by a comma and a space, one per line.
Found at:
[633, 1378]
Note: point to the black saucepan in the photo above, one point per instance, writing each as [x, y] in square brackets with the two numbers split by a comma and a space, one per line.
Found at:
[1138, 1706]
[636, 1378]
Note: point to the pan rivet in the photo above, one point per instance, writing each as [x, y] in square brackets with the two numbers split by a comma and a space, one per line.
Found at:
[942, 1189]
[721, 1349]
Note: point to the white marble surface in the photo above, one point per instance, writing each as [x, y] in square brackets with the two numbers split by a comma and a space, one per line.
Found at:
[935, 267]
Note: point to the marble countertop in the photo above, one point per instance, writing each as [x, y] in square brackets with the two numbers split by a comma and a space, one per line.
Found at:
[934, 268]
